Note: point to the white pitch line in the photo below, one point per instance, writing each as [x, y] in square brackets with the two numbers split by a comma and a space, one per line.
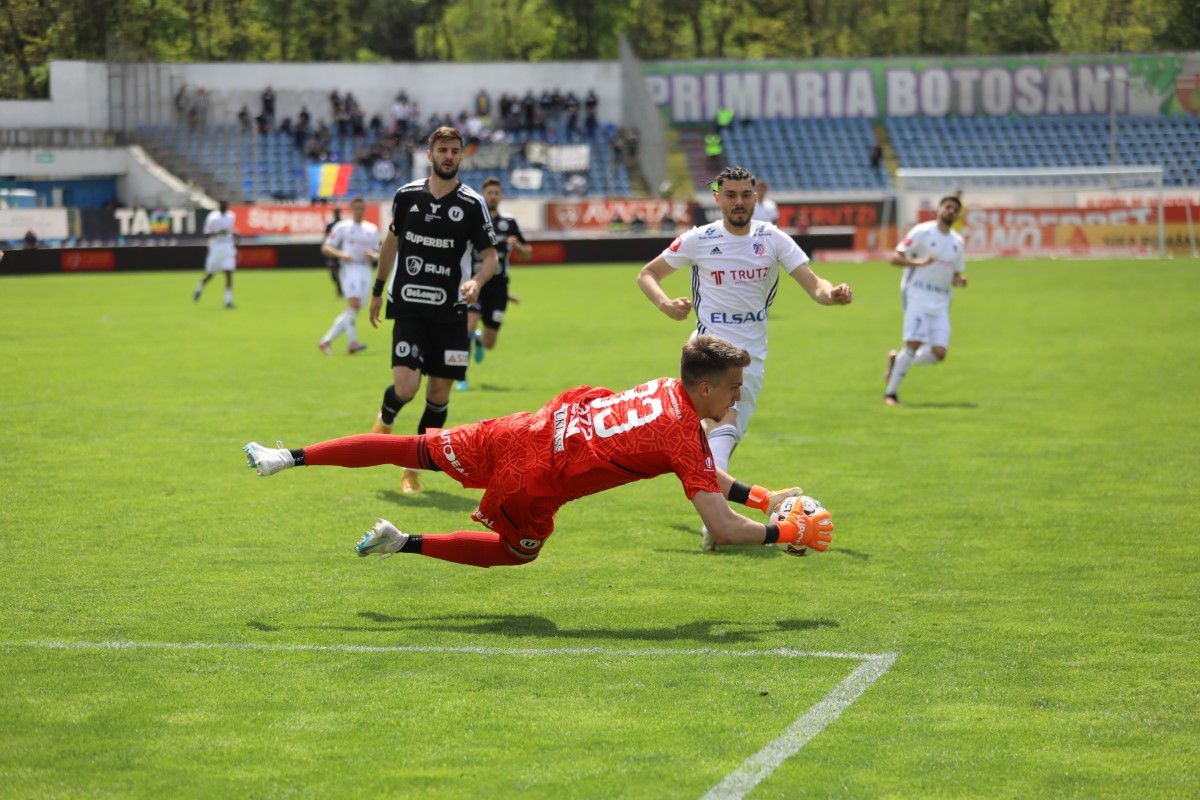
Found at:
[759, 766]
[782, 652]
[735, 786]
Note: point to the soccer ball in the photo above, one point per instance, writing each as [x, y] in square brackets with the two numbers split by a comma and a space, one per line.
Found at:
[810, 505]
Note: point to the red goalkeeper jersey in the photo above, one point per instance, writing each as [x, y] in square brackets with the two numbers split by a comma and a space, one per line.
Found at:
[587, 440]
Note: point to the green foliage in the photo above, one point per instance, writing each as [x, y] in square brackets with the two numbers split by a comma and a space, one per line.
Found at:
[1022, 532]
[34, 31]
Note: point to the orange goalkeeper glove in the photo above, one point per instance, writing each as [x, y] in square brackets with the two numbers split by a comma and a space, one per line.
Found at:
[802, 530]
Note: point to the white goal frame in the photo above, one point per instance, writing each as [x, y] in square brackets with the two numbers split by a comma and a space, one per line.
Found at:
[909, 183]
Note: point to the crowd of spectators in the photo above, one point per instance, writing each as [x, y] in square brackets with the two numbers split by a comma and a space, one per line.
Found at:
[191, 106]
[552, 116]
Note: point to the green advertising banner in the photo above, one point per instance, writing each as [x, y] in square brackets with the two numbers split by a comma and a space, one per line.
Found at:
[691, 92]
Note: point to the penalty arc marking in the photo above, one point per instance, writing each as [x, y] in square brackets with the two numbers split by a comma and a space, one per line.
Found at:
[751, 772]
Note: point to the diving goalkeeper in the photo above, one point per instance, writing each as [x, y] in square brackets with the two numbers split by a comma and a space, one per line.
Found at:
[582, 442]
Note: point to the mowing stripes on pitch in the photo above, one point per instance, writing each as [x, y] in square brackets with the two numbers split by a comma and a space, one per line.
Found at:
[734, 786]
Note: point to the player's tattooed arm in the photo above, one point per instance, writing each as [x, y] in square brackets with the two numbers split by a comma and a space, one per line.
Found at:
[821, 290]
[649, 280]
[387, 259]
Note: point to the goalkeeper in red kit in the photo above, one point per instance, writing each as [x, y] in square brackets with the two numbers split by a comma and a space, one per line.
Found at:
[582, 442]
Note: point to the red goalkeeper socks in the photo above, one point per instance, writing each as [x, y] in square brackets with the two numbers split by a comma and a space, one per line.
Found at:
[369, 450]
[477, 548]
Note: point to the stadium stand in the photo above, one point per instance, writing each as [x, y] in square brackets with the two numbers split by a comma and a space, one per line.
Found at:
[799, 154]
[272, 167]
[1058, 141]
[825, 155]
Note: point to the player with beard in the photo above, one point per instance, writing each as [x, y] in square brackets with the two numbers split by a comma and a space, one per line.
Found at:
[352, 242]
[735, 274]
[494, 296]
[934, 261]
[425, 266]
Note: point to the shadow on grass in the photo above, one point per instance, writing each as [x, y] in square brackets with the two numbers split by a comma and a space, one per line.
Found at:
[519, 625]
[845, 551]
[491, 387]
[532, 626]
[429, 498]
[750, 551]
[953, 404]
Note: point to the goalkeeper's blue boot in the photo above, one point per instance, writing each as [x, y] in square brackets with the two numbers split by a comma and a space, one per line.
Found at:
[477, 344]
[381, 539]
[462, 385]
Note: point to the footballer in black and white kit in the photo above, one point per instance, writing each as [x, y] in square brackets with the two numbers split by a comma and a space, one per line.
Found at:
[437, 238]
[438, 224]
[494, 296]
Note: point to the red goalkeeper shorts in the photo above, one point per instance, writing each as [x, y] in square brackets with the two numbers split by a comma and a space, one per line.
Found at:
[499, 456]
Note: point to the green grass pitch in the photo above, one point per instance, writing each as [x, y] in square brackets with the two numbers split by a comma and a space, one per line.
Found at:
[1022, 533]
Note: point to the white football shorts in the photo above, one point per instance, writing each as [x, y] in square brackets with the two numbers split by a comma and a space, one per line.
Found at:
[752, 384]
[220, 259]
[929, 327]
[356, 280]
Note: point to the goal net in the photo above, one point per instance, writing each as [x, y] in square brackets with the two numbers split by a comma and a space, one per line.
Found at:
[1061, 211]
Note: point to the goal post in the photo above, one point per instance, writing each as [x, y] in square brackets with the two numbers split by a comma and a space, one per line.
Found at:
[1071, 211]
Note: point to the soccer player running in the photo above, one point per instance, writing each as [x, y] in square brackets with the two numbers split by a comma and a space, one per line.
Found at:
[766, 208]
[934, 259]
[735, 274]
[353, 242]
[582, 442]
[222, 251]
[493, 295]
[436, 224]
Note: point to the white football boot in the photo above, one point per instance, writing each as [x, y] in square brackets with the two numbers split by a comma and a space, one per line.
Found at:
[381, 539]
[268, 460]
[707, 543]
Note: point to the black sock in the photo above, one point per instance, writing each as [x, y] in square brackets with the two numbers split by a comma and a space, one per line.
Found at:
[434, 416]
[298, 456]
[413, 545]
[391, 406]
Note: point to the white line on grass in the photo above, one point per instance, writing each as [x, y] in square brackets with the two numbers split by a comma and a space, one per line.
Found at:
[753, 771]
[759, 766]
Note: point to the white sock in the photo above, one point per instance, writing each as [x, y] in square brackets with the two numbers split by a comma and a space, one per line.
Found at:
[199, 287]
[335, 330]
[350, 324]
[228, 296]
[903, 361]
[721, 440]
[925, 355]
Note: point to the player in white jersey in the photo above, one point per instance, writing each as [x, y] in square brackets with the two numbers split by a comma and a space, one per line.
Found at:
[222, 250]
[735, 273]
[934, 260]
[765, 209]
[354, 243]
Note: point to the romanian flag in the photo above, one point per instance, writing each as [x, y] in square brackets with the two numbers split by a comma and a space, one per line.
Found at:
[329, 180]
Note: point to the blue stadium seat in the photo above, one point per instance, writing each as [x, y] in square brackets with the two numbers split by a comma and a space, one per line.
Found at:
[1072, 140]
